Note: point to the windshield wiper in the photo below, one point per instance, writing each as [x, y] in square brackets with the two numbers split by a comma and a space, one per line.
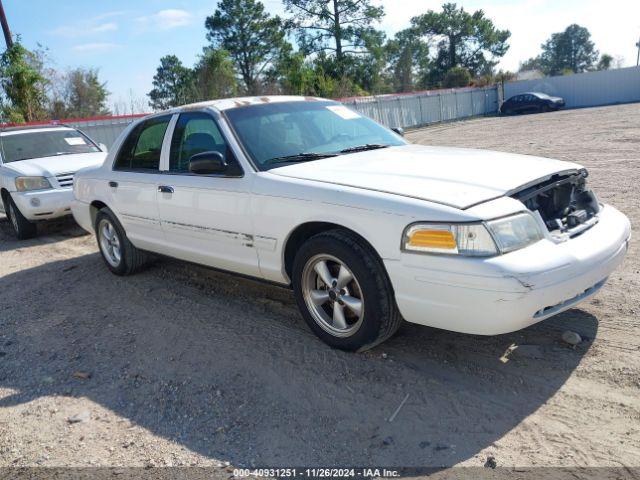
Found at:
[299, 157]
[363, 148]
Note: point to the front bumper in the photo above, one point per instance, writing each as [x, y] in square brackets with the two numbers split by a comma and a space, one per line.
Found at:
[509, 292]
[44, 204]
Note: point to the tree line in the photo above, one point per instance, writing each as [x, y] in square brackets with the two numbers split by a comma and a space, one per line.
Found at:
[328, 48]
[334, 49]
[32, 91]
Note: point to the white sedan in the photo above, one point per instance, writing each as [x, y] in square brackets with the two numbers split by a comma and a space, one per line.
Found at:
[37, 165]
[367, 229]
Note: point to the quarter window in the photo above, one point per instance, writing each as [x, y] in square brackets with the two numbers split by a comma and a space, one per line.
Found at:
[195, 133]
[141, 150]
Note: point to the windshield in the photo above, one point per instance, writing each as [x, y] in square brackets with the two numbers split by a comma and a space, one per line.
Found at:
[25, 145]
[279, 133]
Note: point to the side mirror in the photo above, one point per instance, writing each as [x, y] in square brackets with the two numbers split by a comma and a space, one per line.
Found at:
[103, 147]
[399, 131]
[207, 163]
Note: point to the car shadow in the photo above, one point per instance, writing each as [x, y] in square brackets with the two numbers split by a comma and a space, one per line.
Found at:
[227, 368]
[48, 232]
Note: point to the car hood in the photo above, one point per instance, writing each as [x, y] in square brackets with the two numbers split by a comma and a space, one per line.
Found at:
[52, 166]
[456, 177]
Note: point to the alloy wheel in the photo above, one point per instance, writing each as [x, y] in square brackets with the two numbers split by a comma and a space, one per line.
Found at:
[333, 295]
[109, 243]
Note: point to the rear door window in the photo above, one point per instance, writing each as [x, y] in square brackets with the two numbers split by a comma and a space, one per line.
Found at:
[141, 150]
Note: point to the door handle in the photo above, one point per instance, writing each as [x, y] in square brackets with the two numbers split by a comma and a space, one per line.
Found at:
[165, 189]
[113, 184]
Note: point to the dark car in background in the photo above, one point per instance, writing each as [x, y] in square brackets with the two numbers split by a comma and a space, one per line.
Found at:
[531, 102]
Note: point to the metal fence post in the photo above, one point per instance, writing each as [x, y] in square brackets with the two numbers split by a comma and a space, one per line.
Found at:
[455, 97]
[473, 110]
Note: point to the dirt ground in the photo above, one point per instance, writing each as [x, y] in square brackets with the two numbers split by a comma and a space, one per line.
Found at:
[180, 365]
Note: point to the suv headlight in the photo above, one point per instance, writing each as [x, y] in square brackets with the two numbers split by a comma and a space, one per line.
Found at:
[483, 239]
[25, 184]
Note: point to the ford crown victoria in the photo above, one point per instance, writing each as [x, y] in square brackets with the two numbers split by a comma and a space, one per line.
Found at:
[366, 228]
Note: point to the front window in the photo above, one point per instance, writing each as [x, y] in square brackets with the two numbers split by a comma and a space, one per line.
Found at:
[197, 132]
[280, 133]
[25, 145]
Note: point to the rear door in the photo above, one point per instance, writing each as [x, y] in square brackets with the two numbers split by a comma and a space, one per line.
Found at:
[134, 181]
[206, 218]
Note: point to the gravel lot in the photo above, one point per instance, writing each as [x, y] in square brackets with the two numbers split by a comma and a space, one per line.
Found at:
[180, 365]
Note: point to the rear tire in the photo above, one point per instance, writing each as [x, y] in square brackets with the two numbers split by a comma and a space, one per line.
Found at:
[343, 292]
[118, 253]
[22, 228]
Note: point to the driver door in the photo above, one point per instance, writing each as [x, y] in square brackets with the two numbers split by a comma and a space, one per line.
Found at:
[206, 218]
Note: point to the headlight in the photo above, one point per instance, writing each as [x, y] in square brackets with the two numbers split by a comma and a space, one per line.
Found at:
[24, 184]
[515, 232]
[473, 239]
[454, 239]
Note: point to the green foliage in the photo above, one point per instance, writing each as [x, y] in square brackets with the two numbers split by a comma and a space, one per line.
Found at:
[339, 26]
[24, 85]
[340, 52]
[291, 74]
[570, 50]
[463, 40]
[253, 38]
[605, 62]
[214, 76]
[83, 95]
[533, 63]
[408, 58]
[172, 84]
[457, 77]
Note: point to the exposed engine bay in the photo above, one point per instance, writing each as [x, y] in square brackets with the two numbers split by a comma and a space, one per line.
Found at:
[564, 202]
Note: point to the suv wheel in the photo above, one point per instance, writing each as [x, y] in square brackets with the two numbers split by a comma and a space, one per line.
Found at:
[118, 253]
[22, 228]
[343, 292]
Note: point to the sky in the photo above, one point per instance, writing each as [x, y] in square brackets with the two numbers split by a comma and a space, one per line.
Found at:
[125, 39]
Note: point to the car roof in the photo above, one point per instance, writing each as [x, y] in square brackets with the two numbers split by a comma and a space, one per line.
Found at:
[239, 102]
[20, 128]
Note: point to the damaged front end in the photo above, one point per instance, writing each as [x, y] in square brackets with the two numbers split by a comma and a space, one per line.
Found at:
[563, 202]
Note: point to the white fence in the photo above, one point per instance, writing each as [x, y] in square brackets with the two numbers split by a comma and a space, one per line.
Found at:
[410, 110]
[585, 89]
[414, 110]
[104, 129]
[423, 108]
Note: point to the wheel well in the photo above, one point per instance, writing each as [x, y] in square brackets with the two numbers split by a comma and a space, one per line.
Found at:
[96, 206]
[304, 232]
[4, 195]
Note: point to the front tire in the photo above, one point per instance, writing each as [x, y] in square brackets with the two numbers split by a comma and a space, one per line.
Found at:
[343, 292]
[118, 253]
[22, 228]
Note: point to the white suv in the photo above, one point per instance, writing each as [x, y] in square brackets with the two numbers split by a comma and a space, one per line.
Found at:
[37, 166]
